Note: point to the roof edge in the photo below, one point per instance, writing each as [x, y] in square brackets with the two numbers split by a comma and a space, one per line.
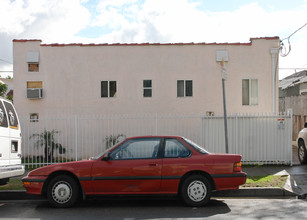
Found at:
[26, 40]
[148, 44]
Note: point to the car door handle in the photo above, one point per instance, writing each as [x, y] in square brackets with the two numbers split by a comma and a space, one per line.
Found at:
[153, 164]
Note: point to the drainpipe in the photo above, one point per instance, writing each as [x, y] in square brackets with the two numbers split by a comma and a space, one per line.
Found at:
[274, 51]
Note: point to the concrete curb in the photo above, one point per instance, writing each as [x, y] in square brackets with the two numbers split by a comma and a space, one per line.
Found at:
[17, 195]
[243, 192]
[255, 192]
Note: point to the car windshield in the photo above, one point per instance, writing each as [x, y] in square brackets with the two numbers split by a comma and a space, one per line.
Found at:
[104, 152]
[196, 146]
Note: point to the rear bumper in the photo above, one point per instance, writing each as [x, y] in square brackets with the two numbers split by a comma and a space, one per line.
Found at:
[229, 181]
[11, 171]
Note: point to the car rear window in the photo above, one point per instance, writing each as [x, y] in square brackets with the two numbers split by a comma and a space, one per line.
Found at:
[196, 147]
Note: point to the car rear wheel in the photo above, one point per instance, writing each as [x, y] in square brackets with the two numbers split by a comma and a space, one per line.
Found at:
[196, 190]
[302, 153]
[62, 191]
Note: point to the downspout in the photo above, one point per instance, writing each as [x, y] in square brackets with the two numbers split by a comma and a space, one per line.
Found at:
[274, 51]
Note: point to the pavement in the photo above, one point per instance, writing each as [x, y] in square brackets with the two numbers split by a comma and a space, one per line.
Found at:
[295, 186]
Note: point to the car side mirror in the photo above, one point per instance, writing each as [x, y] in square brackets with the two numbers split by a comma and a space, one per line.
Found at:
[106, 157]
[305, 125]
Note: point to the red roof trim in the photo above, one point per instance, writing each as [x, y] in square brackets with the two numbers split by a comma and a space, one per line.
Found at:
[25, 40]
[150, 44]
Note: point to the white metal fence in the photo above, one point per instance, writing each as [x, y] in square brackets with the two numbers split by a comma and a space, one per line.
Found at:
[258, 138]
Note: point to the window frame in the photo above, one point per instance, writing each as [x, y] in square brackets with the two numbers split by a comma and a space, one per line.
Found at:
[30, 70]
[250, 91]
[111, 88]
[32, 117]
[147, 88]
[125, 144]
[180, 143]
[184, 89]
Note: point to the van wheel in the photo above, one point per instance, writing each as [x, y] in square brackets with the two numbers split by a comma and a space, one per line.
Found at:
[302, 153]
[62, 191]
[196, 190]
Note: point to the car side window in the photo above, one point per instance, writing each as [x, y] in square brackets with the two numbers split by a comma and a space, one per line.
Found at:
[3, 118]
[143, 148]
[175, 149]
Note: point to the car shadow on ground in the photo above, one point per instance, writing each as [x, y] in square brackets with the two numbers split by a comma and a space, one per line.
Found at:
[141, 208]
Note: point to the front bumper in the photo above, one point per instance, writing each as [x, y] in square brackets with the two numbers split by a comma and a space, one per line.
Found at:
[34, 184]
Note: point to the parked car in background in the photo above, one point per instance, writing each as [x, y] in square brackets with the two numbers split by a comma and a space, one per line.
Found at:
[10, 143]
[301, 144]
[140, 165]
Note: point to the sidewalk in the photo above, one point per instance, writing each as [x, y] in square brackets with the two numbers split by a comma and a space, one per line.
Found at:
[296, 184]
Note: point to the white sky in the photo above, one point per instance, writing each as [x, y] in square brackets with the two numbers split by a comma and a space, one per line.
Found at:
[137, 21]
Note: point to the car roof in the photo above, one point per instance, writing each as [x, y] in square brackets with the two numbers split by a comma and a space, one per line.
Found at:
[155, 136]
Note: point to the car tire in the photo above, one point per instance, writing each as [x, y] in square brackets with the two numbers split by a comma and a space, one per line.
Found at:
[62, 191]
[302, 152]
[196, 190]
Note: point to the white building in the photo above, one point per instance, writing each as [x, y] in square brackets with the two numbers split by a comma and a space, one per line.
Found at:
[183, 78]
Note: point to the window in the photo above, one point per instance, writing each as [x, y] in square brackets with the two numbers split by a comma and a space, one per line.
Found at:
[33, 61]
[174, 149]
[249, 92]
[108, 89]
[184, 88]
[34, 89]
[3, 118]
[33, 67]
[13, 120]
[137, 149]
[34, 84]
[34, 117]
[147, 88]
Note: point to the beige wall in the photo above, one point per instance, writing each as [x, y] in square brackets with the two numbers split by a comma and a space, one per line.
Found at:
[72, 75]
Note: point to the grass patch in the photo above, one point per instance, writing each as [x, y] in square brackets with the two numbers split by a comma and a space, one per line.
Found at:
[13, 184]
[266, 181]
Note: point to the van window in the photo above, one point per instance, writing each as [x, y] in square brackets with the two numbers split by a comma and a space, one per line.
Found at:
[12, 115]
[3, 118]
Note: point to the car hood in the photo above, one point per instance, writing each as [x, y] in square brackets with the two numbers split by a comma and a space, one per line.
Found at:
[78, 168]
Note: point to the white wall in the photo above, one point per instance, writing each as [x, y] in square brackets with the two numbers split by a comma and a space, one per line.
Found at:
[72, 74]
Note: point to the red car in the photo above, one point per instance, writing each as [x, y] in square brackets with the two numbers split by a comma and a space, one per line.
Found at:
[140, 165]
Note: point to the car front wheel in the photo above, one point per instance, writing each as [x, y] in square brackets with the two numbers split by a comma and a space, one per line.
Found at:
[196, 190]
[302, 153]
[62, 191]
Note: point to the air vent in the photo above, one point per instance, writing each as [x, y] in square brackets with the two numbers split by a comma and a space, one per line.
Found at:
[36, 93]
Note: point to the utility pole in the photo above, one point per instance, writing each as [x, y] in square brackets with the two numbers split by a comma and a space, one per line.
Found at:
[224, 76]
[222, 57]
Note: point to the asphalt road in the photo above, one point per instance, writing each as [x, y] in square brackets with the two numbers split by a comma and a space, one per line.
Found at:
[157, 208]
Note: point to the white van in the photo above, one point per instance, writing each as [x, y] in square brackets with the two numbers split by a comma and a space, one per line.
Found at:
[10, 142]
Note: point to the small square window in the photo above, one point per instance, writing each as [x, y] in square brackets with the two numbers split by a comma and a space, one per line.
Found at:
[184, 88]
[108, 89]
[33, 67]
[34, 117]
[147, 88]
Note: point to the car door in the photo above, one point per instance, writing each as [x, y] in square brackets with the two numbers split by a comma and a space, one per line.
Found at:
[132, 167]
[14, 134]
[176, 162]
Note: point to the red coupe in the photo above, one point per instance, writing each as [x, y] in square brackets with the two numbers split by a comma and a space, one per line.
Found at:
[140, 165]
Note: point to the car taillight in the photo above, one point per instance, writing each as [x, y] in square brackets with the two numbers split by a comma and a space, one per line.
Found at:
[237, 167]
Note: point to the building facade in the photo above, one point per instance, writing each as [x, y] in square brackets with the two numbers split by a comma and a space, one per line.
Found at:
[182, 78]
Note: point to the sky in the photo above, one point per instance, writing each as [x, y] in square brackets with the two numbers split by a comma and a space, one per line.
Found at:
[155, 21]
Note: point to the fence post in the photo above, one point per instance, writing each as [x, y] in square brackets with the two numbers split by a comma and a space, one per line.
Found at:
[76, 136]
[290, 113]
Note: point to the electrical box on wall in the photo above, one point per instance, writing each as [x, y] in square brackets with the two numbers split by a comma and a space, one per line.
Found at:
[221, 55]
